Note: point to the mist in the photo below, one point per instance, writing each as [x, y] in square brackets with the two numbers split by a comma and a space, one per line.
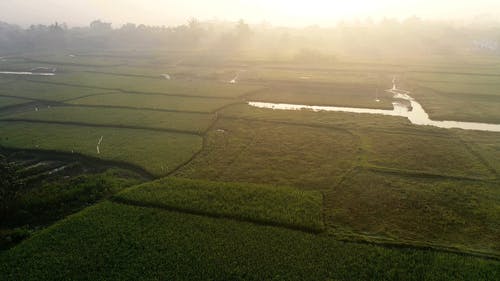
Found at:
[281, 13]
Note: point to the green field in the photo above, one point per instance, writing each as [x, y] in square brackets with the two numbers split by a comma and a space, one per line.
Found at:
[158, 102]
[281, 154]
[458, 214]
[189, 122]
[347, 95]
[191, 183]
[42, 91]
[117, 242]
[155, 152]
[432, 153]
[274, 205]
[187, 87]
[6, 101]
[467, 93]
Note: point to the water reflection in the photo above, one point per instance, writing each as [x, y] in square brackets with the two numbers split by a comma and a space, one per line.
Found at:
[27, 73]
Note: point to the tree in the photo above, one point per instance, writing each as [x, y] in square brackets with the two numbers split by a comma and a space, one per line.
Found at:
[243, 29]
[100, 26]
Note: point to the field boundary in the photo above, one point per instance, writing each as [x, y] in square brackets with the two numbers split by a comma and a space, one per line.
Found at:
[120, 200]
[83, 124]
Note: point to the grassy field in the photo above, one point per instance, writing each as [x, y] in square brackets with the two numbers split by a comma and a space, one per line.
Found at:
[158, 102]
[189, 122]
[155, 152]
[6, 101]
[48, 194]
[365, 147]
[120, 242]
[47, 92]
[249, 185]
[281, 154]
[431, 153]
[459, 106]
[416, 210]
[467, 93]
[283, 206]
[348, 95]
[485, 145]
[343, 120]
[188, 87]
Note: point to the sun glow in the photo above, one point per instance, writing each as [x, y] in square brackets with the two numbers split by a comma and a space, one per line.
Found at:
[278, 12]
[322, 9]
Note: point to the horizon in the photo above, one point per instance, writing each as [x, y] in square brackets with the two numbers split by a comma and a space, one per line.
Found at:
[278, 13]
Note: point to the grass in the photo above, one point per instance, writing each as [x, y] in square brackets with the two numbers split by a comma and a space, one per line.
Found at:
[156, 152]
[343, 120]
[460, 97]
[431, 153]
[48, 92]
[6, 101]
[333, 94]
[157, 102]
[280, 154]
[485, 145]
[39, 204]
[190, 122]
[458, 214]
[459, 106]
[283, 206]
[115, 242]
[347, 95]
[377, 179]
[188, 87]
[424, 163]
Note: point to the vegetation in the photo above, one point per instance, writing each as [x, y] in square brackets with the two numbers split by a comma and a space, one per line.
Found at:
[274, 205]
[117, 242]
[158, 84]
[444, 154]
[189, 122]
[436, 212]
[155, 102]
[6, 101]
[44, 202]
[47, 92]
[347, 95]
[280, 154]
[250, 194]
[156, 152]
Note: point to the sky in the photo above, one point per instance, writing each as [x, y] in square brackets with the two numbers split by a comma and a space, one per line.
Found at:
[276, 12]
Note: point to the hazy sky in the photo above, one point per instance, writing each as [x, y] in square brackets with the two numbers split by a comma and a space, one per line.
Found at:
[277, 12]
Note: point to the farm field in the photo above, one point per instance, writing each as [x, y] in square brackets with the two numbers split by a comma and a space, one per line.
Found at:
[183, 87]
[122, 241]
[158, 102]
[149, 119]
[282, 154]
[6, 101]
[274, 205]
[47, 92]
[156, 152]
[469, 94]
[181, 179]
[426, 211]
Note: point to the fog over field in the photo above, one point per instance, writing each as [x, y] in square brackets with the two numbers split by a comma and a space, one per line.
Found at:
[250, 140]
[279, 12]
